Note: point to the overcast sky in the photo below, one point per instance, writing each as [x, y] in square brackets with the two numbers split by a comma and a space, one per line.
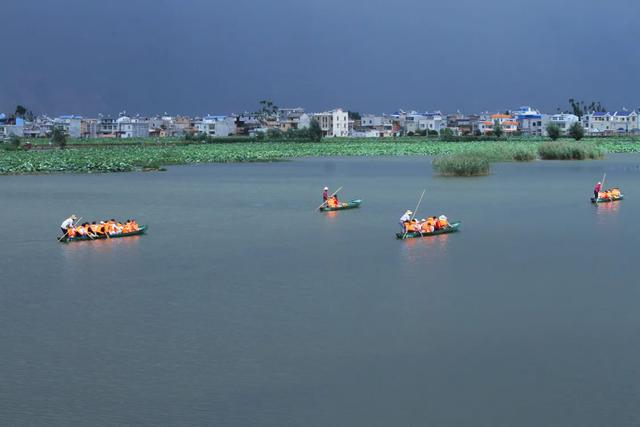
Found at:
[222, 56]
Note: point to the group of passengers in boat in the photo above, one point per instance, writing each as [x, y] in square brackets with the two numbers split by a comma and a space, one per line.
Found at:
[425, 225]
[110, 227]
[331, 201]
[610, 194]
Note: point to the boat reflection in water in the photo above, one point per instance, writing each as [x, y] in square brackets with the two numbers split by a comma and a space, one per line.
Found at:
[100, 247]
[425, 249]
[606, 211]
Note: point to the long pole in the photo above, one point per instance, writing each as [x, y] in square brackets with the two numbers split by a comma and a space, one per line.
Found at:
[416, 210]
[336, 192]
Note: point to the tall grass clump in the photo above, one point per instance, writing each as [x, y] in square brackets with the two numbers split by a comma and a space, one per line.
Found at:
[523, 154]
[464, 164]
[569, 151]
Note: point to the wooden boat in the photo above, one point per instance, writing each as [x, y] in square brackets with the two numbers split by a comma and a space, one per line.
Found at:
[606, 200]
[452, 228]
[343, 206]
[138, 232]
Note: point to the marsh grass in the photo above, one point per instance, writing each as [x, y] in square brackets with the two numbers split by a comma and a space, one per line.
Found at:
[569, 151]
[465, 164]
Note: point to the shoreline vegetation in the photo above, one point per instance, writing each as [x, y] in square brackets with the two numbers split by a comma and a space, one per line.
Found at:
[451, 158]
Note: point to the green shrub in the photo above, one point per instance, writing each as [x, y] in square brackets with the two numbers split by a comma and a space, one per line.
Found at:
[553, 131]
[576, 131]
[462, 165]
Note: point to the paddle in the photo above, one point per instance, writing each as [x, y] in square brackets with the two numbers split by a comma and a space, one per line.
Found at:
[414, 212]
[67, 232]
[336, 192]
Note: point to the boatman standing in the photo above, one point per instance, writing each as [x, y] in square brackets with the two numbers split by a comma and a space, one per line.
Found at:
[67, 223]
[597, 189]
[405, 218]
[325, 194]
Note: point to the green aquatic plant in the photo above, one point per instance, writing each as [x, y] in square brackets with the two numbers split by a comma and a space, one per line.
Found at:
[462, 165]
[564, 150]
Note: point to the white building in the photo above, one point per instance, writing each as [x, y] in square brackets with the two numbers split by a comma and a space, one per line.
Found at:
[334, 123]
[563, 120]
[216, 126]
[70, 125]
[608, 123]
[132, 128]
[534, 125]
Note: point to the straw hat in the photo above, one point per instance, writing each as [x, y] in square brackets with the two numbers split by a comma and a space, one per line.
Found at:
[408, 213]
[326, 188]
[442, 217]
[74, 217]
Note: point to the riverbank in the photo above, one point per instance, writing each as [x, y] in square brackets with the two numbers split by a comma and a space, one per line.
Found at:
[147, 155]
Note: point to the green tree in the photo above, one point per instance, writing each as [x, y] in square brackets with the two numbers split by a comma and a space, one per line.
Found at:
[553, 130]
[268, 110]
[576, 131]
[446, 134]
[315, 131]
[354, 115]
[497, 130]
[59, 138]
[21, 111]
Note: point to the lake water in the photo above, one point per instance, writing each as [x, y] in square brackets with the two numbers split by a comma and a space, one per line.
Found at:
[243, 306]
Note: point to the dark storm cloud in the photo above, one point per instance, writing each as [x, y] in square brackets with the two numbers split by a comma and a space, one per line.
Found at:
[218, 56]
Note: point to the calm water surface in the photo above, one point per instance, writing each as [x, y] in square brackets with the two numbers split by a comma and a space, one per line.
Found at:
[245, 307]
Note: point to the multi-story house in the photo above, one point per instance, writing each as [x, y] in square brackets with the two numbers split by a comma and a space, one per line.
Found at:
[290, 118]
[507, 122]
[374, 126]
[563, 120]
[334, 123]
[530, 121]
[107, 127]
[11, 126]
[71, 125]
[132, 128]
[88, 128]
[216, 126]
[533, 125]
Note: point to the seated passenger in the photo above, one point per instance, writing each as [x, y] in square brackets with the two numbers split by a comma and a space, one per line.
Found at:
[426, 226]
[442, 222]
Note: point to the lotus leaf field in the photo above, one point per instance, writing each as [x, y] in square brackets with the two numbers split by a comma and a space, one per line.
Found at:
[115, 158]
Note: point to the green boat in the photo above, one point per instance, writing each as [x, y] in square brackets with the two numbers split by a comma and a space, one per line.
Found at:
[343, 206]
[138, 232]
[452, 228]
[603, 200]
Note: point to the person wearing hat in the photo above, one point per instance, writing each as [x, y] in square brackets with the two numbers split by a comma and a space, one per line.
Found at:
[67, 223]
[404, 219]
[325, 194]
[597, 189]
[442, 222]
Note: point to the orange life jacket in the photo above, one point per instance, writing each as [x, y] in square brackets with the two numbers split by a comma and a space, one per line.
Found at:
[71, 232]
[427, 227]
